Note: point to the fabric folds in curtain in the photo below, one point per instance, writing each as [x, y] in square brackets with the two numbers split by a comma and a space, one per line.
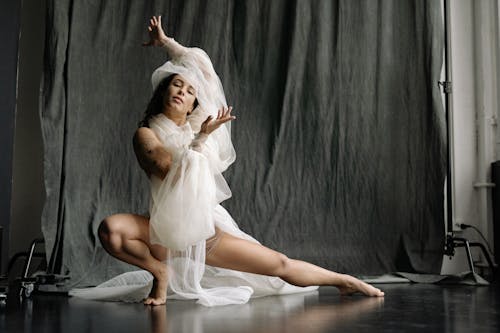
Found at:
[340, 132]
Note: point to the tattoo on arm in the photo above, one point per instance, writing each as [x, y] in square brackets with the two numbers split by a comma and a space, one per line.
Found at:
[151, 155]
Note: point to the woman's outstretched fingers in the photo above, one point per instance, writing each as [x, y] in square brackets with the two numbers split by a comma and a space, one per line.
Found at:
[228, 113]
[351, 285]
[154, 32]
[224, 114]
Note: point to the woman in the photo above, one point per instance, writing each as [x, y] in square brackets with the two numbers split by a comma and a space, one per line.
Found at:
[187, 226]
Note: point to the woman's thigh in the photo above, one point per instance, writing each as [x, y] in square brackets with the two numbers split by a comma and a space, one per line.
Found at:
[242, 255]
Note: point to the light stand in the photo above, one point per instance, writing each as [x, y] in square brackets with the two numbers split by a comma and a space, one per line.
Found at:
[452, 241]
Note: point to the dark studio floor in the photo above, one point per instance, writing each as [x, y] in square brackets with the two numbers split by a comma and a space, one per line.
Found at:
[405, 308]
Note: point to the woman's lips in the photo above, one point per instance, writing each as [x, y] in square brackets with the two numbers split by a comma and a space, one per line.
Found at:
[178, 100]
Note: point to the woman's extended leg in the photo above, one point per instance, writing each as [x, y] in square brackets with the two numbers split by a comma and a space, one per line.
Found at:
[242, 255]
[126, 237]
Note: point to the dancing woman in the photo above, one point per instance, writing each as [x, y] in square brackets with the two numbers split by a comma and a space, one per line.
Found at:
[189, 243]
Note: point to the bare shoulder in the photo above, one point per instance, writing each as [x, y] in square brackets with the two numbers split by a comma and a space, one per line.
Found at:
[144, 134]
[145, 138]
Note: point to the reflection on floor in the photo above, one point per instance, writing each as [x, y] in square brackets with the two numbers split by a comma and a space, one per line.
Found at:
[405, 308]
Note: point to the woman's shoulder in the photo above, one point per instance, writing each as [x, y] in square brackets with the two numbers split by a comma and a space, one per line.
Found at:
[143, 135]
[144, 131]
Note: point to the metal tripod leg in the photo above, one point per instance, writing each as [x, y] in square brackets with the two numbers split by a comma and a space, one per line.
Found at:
[487, 256]
[462, 242]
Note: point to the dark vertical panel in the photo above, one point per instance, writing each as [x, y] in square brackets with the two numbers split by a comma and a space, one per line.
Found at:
[9, 35]
[27, 174]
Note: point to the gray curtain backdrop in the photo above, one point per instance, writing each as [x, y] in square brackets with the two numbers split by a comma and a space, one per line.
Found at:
[339, 131]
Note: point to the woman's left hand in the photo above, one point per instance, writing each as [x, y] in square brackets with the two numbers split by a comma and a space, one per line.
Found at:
[156, 33]
[223, 116]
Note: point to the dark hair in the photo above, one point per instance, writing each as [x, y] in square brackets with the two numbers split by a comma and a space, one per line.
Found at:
[155, 105]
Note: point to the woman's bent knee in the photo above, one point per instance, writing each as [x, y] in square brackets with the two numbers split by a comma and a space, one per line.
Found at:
[110, 232]
[116, 228]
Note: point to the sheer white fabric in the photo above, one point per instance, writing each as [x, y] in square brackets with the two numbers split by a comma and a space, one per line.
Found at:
[196, 67]
[185, 206]
[181, 210]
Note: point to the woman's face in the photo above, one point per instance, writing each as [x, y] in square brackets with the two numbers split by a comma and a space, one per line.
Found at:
[180, 95]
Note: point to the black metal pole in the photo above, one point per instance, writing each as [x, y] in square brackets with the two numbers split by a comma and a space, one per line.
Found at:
[447, 88]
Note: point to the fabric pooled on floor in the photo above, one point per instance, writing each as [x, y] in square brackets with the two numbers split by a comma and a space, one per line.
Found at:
[467, 278]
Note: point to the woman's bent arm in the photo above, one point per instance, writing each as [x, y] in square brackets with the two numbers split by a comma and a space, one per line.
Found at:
[151, 154]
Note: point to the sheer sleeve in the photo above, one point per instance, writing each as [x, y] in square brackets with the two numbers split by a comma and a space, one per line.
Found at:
[174, 49]
[198, 142]
[208, 146]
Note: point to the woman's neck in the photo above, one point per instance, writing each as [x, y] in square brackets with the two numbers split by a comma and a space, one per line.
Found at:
[178, 119]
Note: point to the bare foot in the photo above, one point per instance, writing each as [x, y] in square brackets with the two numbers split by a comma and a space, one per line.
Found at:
[158, 294]
[351, 285]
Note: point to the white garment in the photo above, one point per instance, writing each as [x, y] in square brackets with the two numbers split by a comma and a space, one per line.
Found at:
[187, 202]
[185, 206]
[196, 67]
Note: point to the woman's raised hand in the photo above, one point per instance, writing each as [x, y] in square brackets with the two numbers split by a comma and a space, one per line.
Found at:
[223, 116]
[156, 33]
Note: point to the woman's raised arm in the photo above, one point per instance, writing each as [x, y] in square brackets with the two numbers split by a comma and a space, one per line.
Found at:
[157, 37]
